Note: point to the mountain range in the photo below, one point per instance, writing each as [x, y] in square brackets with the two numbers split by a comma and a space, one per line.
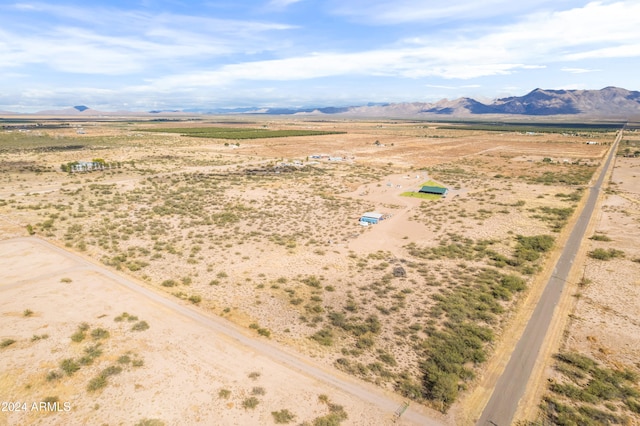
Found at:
[610, 102]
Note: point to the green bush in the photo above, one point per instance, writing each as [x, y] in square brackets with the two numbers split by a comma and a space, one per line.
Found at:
[283, 417]
[140, 326]
[99, 333]
[324, 337]
[169, 283]
[6, 342]
[69, 366]
[602, 254]
[78, 336]
[258, 390]
[513, 283]
[250, 403]
[150, 422]
[97, 383]
[112, 370]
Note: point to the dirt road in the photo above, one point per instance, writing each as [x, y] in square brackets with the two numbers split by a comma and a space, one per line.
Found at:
[513, 382]
[366, 392]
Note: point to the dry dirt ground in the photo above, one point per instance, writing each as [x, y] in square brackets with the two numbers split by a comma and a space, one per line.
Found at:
[280, 254]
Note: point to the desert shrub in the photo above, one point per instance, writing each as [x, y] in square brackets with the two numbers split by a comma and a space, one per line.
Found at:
[572, 392]
[140, 326]
[99, 333]
[69, 366]
[529, 248]
[224, 393]
[36, 337]
[53, 375]
[599, 237]
[121, 317]
[387, 358]
[124, 359]
[112, 370]
[581, 362]
[254, 375]
[448, 354]
[78, 336]
[250, 403]
[27, 313]
[323, 337]
[150, 422]
[599, 416]
[335, 418]
[602, 254]
[97, 383]
[633, 405]
[312, 281]
[283, 417]
[258, 390]
[169, 283]
[365, 342]
[6, 343]
[513, 283]
[195, 299]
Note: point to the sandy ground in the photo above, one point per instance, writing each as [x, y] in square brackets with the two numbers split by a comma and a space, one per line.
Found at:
[607, 321]
[185, 364]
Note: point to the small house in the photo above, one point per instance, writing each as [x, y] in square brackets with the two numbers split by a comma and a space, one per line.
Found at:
[371, 217]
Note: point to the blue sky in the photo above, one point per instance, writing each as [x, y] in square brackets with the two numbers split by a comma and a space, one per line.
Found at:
[140, 55]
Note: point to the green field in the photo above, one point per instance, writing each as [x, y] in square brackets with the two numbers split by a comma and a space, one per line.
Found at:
[239, 133]
[424, 196]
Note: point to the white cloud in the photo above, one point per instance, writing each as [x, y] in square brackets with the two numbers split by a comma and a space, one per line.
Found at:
[112, 42]
[405, 11]
[407, 63]
[624, 51]
[577, 70]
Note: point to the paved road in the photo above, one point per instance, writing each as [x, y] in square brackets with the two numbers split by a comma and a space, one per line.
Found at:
[513, 382]
[364, 391]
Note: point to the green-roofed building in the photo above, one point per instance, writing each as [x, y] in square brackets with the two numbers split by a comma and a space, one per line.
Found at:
[438, 190]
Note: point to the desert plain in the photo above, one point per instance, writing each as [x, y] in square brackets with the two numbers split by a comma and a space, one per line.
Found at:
[193, 279]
